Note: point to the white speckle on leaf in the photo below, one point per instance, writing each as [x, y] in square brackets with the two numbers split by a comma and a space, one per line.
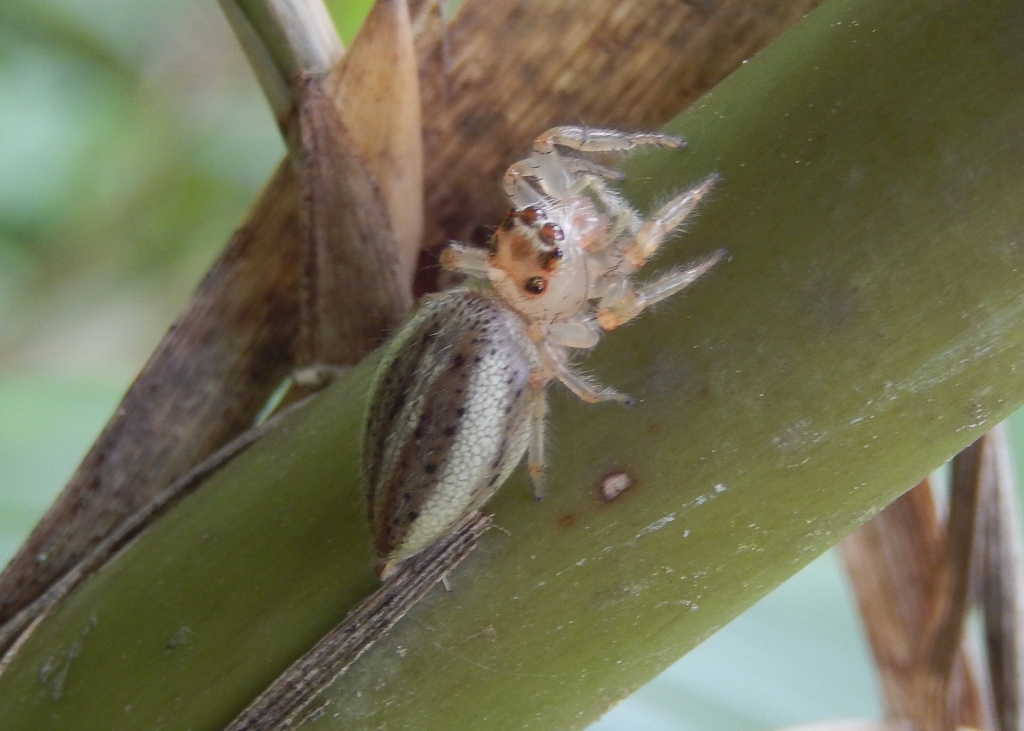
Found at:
[657, 525]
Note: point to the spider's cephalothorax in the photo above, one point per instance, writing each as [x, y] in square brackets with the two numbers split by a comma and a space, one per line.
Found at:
[460, 394]
[537, 263]
[565, 254]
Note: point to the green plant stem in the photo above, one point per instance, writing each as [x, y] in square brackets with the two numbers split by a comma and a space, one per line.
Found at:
[283, 38]
[869, 325]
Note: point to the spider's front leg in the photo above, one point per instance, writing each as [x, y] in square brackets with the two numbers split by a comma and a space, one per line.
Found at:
[623, 303]
[588, 139]
[665, 220]
[556, 177]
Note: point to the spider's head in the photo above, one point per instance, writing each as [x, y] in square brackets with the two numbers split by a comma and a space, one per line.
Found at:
[535, 268]
[526, 247]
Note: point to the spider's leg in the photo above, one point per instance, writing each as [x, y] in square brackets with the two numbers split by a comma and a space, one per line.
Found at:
[579, 384]
[554, 176]
[516, 184]
[623, 303]
[670, 216]
[464, 259]
[625, 218]
[535, 180]
[581, 165]
[535, 458]
[586, 139]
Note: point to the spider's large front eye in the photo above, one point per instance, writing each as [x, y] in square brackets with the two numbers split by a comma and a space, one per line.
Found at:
[530, 215]
[550, 233]
[535, 285]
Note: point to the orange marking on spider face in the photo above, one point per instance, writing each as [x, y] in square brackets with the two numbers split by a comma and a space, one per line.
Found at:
[519, 247]
[517, 255]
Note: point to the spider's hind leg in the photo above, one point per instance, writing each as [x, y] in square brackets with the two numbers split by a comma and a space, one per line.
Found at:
[535, 457]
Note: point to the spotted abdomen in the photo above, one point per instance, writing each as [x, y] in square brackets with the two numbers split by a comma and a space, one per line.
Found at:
[447, 421]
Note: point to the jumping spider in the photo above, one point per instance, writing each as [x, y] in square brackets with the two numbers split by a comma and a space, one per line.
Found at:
[459, 394]
[557, 251]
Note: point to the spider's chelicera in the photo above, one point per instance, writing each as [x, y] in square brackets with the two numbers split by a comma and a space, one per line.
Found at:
[460, 392]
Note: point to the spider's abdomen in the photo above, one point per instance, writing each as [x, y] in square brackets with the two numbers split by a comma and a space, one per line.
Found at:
[447, 421]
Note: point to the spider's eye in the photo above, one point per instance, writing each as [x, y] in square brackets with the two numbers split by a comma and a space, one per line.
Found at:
[550, 233]
[530, 215]
[549, 259]
[535, 285]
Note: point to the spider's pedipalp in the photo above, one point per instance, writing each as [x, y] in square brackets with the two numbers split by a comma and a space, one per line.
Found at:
[468, 260]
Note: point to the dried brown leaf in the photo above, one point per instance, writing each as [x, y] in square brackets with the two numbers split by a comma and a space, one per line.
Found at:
[377, 96]
[896, 564]
[351, 253]
[1002, 590]
[939, 684]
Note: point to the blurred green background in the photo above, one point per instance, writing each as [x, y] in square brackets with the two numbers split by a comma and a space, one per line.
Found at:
[132, 139]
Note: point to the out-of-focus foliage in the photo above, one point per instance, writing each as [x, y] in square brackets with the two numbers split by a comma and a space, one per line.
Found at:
[132, 139]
